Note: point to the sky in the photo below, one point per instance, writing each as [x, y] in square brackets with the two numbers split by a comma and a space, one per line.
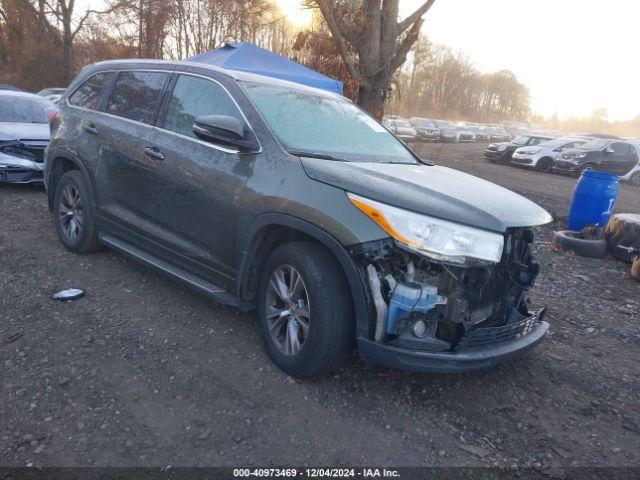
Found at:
[574, 55]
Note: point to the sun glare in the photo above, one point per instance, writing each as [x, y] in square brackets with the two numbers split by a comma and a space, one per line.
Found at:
[294, 12]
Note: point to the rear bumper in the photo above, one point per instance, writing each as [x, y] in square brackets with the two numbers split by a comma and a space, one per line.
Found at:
[20, 170]
[462, 359]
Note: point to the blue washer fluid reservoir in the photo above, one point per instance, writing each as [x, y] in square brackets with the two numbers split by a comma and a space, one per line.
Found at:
[411, 297]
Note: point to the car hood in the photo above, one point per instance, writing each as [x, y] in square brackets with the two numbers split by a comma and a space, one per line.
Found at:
[432, 190]
[24, 131]
[572, 152]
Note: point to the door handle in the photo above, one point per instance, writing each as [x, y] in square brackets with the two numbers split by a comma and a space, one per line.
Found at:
[154, 153]
[91, 128]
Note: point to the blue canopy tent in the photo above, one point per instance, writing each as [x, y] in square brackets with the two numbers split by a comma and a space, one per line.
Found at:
[247, 57]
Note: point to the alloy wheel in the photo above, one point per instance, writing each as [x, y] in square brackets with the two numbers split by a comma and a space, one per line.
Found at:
[71, 212]
[287, 310]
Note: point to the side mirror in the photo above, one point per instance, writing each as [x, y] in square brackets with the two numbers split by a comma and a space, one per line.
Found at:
[225, 130]
[610, 150]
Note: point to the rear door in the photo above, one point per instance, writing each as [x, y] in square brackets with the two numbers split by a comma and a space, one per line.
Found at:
[619, 158]
[85, 103]
[198, 184]
[126, 194]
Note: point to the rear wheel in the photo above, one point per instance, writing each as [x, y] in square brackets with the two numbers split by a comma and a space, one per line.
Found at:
[304, 310]
[73, 214]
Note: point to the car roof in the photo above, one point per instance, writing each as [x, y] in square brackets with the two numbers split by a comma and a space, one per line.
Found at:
[132, 64]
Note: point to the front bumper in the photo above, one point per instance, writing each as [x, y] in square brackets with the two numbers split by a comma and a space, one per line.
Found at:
[20, 170]
[493, 154]
[473, 354]
[523, 160]
[562, 166]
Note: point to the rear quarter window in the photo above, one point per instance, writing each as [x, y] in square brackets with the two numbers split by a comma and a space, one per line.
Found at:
[89, 94]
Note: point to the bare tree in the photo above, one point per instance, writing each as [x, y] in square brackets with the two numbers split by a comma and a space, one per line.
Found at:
[374, 35]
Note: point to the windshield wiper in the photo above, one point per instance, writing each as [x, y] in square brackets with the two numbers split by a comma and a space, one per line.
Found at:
[323, 156]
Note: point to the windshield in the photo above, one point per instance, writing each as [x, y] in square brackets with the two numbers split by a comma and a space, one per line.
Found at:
[20, 109]
[314, 123]
[403, 123]
[423, 122]
[443, 123]
[521, 140]
[595, 145]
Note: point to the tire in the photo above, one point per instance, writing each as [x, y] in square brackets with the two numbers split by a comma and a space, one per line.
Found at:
[325, 295]
[567, 240]
[74, 215]
[623, 230]
[583, 168]
[635, 270]
[635, 179]
[545, 165]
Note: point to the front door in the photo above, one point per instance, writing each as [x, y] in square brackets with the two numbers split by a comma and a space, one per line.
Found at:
[619, 158]
[199, 184]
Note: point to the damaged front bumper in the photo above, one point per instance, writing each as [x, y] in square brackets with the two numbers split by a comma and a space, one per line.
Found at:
[464, 357]
[14, 169]
[432, 316]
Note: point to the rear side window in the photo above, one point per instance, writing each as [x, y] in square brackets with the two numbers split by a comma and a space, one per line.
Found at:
[88, 94]
[193, 97]
[136, 95]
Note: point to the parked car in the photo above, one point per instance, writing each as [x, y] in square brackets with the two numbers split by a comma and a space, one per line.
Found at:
[426, 129]
[614, 156]
[481, 135]
[448, 131]
[402, 128]
[45, 92]
[633, 176]
[465, 134]
[502, 152]
[542, 156]
[269, 195]
[24, 134]
[4, 86]
[497, 134]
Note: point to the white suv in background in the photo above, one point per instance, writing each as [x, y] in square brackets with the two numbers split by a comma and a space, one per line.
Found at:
[541, 156]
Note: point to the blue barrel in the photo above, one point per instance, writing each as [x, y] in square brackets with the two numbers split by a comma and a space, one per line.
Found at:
[593, 200]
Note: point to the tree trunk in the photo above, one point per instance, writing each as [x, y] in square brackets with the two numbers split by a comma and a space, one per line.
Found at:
[372, 97]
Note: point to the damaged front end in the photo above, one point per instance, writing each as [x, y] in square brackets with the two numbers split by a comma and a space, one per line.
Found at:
[21, 162]
[437, 316]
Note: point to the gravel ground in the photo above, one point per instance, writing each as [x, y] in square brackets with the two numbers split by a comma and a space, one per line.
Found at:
[142, 371]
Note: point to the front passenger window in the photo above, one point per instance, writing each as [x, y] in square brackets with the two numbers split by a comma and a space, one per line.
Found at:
[193, 97]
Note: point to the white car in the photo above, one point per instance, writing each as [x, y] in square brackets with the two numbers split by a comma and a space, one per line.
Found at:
[541, 156]
[24, 134]
[633, 176]
[401, 127]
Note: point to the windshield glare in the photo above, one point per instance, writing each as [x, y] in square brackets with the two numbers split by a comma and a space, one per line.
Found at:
[314, 123]
[521, 140]
[21, 110]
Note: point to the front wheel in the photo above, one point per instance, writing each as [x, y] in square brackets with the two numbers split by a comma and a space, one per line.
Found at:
[304, 310]
[545, 165]
[635, 179]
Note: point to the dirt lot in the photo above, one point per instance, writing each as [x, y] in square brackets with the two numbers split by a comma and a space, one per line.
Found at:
[144, 372]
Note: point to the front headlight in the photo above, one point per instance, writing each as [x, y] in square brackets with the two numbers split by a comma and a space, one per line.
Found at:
[432, 237]
[580, 155]
[502, 148]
